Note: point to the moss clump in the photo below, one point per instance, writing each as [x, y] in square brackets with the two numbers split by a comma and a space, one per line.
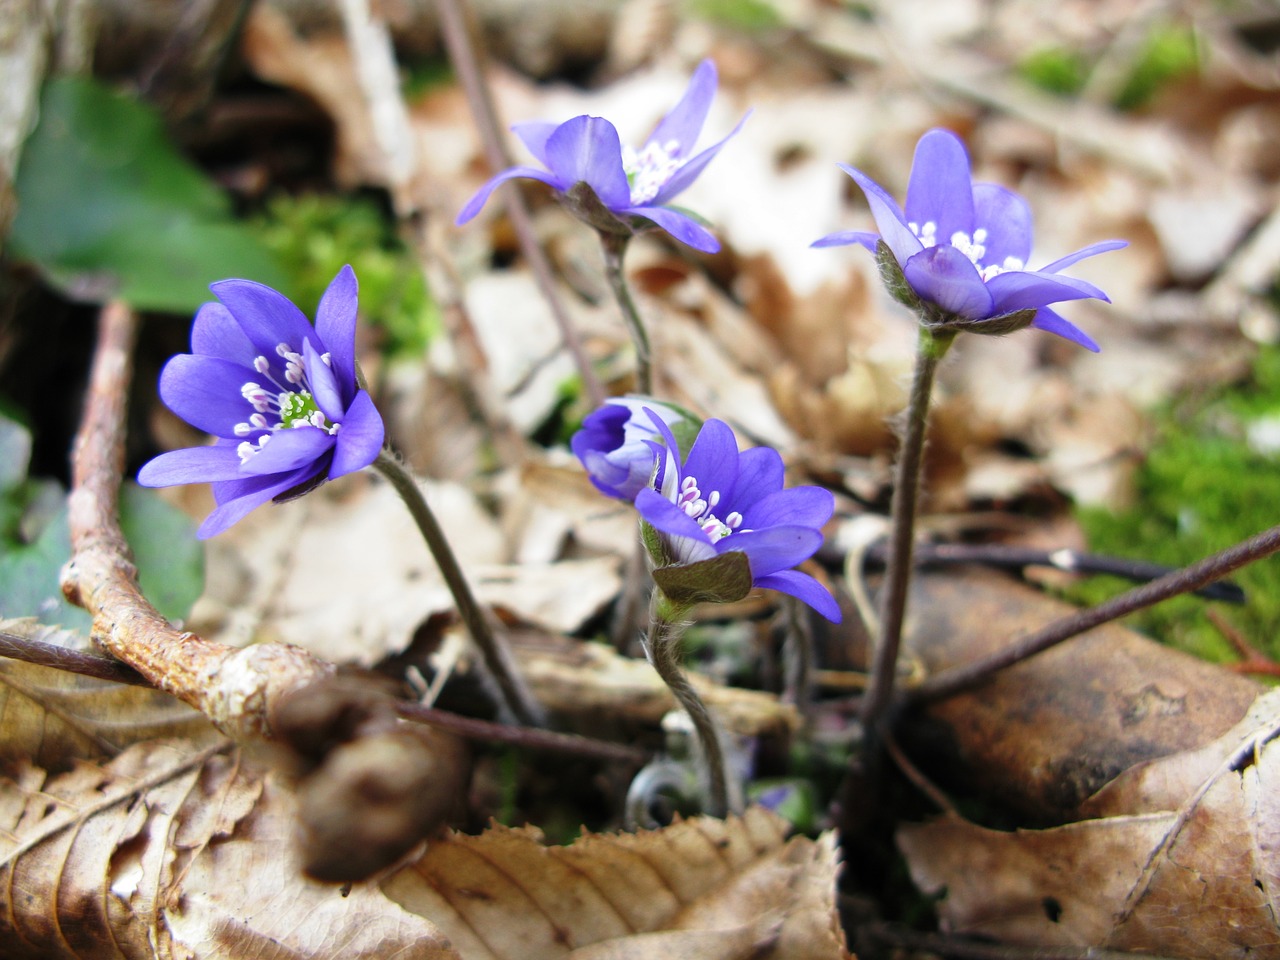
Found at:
[1055, 70]
[314, 236]
[750, 16]
[1211, 479]
[1169, 54]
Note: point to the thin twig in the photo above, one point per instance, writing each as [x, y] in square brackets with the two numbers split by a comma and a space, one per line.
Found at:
[1071, 561]
[913, 773]
[797, 656]
[62, 658]
[237, 689]
[526, 738]
[1212, 568]
[1253, 661]
[462, 53]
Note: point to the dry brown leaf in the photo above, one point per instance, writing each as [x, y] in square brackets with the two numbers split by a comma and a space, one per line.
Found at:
[1171, 757]
[701, 888]
[294, 576]
[1048, 733]
[172, 852]
[1184, 858]
[582, 679]
[51, 717]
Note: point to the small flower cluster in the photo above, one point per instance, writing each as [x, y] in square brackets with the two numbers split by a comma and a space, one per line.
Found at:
[713, 509]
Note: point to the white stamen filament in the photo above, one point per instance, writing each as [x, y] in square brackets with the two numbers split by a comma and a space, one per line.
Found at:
[698, 509]
[649, 168]
[973, 246]
[293, 396]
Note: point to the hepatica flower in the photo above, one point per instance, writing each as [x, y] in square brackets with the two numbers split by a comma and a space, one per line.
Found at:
[613, 443]
[279, 395]
[963, 247]
[629, 189]
[719, 501]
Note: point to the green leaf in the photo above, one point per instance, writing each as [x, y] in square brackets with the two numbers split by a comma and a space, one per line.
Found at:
[29, 578]
[722, 579]
[170, 563]
[108, 208]
[15, 453]
[169, 557]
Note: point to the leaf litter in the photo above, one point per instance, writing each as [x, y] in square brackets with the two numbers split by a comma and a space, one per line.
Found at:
[167, 851]
[800, 350]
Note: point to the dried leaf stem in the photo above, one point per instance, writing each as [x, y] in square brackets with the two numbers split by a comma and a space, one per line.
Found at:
[615, 250]
[932, 347]
[666, 627]
[525, 738]
[1186, 580]
[43, 654]
[462, 53]
[494, 652]
[235, 688]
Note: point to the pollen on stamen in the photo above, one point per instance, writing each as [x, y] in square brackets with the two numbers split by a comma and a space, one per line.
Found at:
[733, 521]
[243, 429]
[261, 364]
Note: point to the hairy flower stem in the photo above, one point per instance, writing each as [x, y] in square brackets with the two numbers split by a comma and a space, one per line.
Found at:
[615, 249]
[667, 624]
[496, 656]
[932, 347]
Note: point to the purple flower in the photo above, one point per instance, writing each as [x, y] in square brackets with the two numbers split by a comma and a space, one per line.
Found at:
[719, 501]
[613, 443]
[280, 396]
[628, 183]
[963, 246]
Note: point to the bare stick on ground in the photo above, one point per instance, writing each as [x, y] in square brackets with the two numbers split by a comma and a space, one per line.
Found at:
[1187, 580]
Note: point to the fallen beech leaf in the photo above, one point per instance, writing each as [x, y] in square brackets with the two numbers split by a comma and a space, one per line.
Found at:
[507, 896]
[51, 717]
[168, 852]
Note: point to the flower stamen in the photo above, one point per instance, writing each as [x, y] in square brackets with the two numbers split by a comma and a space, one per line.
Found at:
[649, 168]
[292, 407]
[698, 509]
